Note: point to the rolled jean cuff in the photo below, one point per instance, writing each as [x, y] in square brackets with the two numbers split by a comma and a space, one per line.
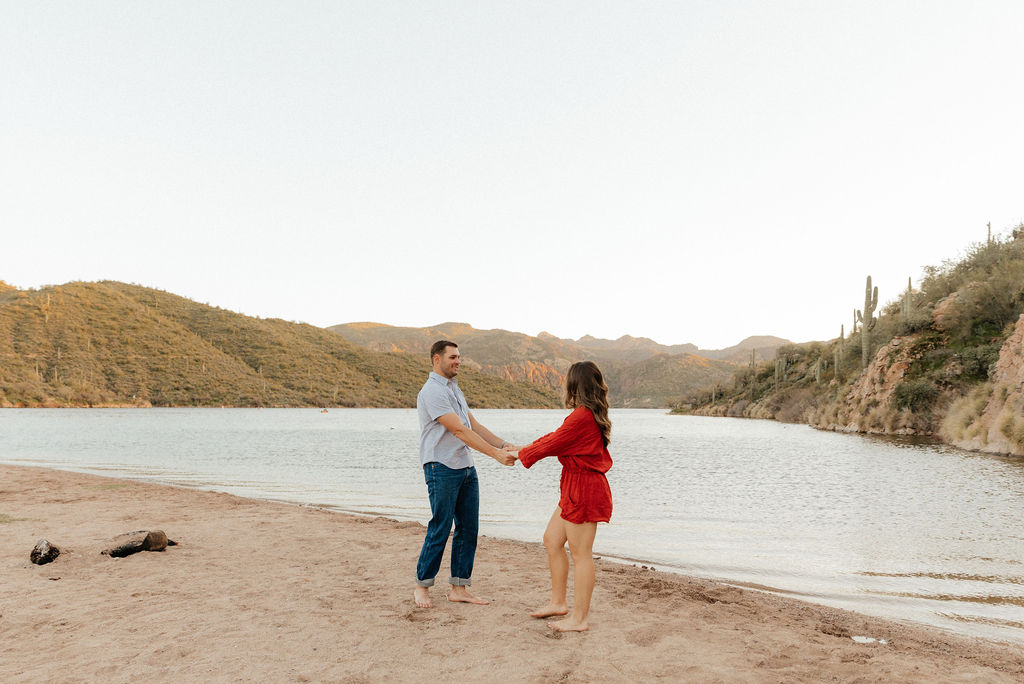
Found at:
[459, 582]
[426, 582]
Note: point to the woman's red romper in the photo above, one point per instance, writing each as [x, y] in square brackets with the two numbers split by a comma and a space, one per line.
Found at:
[585, 494]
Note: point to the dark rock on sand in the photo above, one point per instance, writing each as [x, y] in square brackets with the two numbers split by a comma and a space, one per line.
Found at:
[44, 553]
[153, 540]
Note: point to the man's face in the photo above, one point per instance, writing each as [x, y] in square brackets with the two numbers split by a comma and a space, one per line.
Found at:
[447, 362]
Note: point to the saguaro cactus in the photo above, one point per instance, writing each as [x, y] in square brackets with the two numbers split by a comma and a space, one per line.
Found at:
[867, 320]
[837, 352]
[780, 372]
[753, 373]
[905, 309]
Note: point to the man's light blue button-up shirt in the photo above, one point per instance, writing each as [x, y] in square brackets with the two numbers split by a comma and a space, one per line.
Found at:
[438, 397]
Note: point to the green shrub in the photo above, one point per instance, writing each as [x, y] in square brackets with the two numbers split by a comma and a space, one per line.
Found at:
[914, 395]
[918, 320]
[979, 361]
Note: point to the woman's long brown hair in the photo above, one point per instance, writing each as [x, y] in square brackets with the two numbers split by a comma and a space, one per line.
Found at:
[584, 386]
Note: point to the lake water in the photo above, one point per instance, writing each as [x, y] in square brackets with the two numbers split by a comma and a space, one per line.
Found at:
[897, 528]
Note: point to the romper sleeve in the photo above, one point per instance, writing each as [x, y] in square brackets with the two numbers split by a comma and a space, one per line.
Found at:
[557, 443]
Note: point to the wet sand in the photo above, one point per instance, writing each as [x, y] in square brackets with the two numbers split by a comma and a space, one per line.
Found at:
[265, 591]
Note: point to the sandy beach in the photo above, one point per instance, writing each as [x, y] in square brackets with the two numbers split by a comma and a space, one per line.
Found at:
[265, 591]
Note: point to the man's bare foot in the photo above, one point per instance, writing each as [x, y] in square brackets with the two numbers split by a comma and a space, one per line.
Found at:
[462, 595]
[422, 597]
[551, 610]
[568, 625]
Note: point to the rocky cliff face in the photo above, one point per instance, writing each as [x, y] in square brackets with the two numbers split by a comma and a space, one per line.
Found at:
[875, 387]
[991, 419]
[869, 405]
[539, 373]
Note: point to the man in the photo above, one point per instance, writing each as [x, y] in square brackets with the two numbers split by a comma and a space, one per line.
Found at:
[447, 432]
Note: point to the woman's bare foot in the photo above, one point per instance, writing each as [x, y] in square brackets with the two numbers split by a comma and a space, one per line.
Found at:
[551, 610]
[462, 595]
[568, 625]
[422, 597]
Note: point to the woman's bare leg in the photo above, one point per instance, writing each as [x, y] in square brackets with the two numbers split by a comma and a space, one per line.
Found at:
[581, 545]
[558, 563]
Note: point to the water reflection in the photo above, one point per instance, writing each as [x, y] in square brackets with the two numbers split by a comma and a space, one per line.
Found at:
[1000, 579]
[974, 619]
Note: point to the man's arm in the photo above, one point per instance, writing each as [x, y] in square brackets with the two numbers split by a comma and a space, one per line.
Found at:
[472, 439]
[488, 436]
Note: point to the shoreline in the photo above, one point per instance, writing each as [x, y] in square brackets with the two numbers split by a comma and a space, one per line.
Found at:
[261, 590]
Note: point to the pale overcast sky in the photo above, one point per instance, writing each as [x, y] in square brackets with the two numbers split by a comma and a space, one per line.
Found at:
[686, 171]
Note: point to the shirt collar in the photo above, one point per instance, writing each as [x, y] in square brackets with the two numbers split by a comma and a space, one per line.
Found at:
[453, 382]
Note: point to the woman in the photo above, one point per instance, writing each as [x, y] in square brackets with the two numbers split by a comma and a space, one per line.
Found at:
[581, 445]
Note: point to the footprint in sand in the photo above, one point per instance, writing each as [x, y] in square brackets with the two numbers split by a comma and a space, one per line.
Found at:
[644, 637]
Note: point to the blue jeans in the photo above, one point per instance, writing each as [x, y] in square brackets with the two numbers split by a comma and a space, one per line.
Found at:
[454, 497]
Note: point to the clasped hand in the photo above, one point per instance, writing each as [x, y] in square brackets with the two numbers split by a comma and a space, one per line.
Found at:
[508, 454]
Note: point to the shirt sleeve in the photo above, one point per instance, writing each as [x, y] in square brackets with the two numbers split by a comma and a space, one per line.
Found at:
[557, 443]
[437, 403]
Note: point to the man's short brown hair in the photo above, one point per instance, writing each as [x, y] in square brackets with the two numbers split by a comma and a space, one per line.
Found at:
[438, 348]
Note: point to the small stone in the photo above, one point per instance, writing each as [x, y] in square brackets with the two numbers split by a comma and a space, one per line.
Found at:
[44, 552]
[155, 541]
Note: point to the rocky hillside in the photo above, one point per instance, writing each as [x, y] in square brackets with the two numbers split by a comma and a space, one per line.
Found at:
[656, 381]
[945, 360]
[991, 417]
[111, 344]
[640, 372]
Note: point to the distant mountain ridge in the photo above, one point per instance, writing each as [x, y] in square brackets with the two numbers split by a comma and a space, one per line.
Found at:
[113, 344]
[764, 346]
[640, 372]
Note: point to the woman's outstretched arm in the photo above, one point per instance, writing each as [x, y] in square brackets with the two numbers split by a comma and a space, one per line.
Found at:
[562, 442]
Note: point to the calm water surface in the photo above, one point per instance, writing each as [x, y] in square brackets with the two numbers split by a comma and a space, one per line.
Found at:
[894, 528]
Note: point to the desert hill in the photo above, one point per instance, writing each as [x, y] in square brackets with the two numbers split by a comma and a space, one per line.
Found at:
[109, 343]
[945, 359]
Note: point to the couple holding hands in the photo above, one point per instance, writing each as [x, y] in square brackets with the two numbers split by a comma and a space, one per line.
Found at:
[447, 433]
